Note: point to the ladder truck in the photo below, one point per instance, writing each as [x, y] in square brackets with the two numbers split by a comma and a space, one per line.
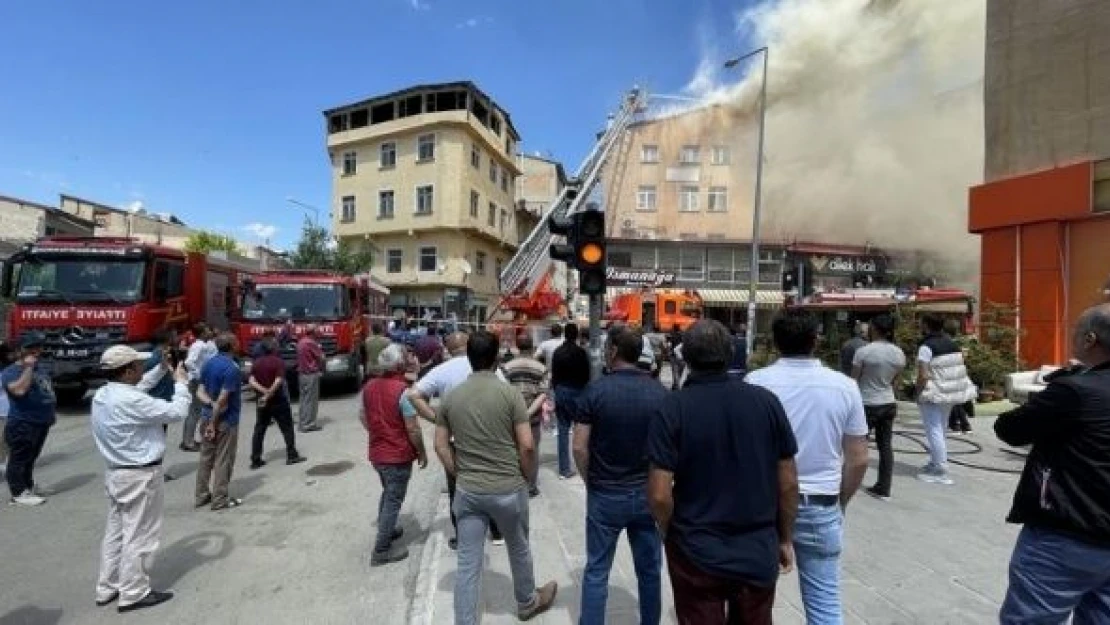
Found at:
[526, 279]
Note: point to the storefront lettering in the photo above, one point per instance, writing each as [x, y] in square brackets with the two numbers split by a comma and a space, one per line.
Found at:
[844, 264]
[639, 277]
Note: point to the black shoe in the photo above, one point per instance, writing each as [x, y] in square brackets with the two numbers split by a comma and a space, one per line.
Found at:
[151, 599]
[295, 459]
[533, 492]
[100, 603]
[311, 428]
[389, 557]
[453, 544]
[257, 464]
[877, 494]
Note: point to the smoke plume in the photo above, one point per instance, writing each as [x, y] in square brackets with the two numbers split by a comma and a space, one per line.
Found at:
[874, 121]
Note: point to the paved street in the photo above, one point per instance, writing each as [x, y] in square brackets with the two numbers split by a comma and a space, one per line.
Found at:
[297, 551]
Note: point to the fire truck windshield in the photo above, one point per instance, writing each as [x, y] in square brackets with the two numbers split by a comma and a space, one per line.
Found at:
[296, 301]
[81, 280]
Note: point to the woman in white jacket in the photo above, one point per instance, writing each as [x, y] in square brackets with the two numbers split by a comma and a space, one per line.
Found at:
[942, 383]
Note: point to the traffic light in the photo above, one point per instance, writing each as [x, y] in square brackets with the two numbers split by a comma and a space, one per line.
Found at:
[584, 248]
[589, 250]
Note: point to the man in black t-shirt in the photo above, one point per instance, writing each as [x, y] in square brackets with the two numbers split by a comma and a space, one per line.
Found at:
[726, 540]
[570, 372]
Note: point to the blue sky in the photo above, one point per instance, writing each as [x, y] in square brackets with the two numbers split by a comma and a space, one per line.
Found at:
[212, 110]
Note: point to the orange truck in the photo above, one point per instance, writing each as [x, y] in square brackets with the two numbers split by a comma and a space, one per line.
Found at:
[656, 310]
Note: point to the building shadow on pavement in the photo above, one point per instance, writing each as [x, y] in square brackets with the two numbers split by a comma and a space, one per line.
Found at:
[181, 469]
[72, 482]
[188, 553]
[51, 458]
[31, 615]
[243, 486]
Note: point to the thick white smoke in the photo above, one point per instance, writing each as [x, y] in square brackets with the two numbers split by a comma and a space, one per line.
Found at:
[874, 120]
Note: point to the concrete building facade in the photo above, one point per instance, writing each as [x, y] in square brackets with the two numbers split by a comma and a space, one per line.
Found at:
[24, 220]
[426, 177]
[539, 185]
[1043, 212]
[678, 197]
[110, 221]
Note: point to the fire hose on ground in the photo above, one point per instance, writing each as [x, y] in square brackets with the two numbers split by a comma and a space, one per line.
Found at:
[974, 448]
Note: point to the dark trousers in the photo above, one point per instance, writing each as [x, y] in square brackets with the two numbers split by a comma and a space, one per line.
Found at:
[493, 531]
[282, 413]
[704, 599]
[881, 420]
[25, 441]
[957, 419]
[395, 484]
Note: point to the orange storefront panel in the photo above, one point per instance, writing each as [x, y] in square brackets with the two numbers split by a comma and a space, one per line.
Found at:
[999, 251]
[1088, 264]
[1042, 247]
[1055, 194]
[1041, 344]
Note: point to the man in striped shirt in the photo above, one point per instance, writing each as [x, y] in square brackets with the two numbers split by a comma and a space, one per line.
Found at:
[528, 375]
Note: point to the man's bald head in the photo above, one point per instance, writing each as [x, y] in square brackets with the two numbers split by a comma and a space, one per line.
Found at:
[455, 343]
[1092, 336]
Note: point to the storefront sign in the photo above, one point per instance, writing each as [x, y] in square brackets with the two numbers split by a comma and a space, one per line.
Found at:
[639, 277]
[845, 264]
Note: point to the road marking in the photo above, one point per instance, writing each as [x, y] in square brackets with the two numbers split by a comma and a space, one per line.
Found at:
[423, 606]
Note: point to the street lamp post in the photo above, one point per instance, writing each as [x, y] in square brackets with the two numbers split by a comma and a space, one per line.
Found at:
[304, 206]
[757, 204]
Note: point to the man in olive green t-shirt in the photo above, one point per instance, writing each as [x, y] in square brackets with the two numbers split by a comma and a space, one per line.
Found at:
[373, 348]
[492, 454]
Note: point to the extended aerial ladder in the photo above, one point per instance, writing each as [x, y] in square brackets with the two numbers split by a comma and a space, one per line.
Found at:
[525, 279]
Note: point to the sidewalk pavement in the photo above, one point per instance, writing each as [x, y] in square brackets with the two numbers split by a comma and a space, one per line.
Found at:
[933, 554]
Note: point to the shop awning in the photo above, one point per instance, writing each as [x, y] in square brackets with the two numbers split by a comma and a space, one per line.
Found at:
[959, 308]
[731, 297]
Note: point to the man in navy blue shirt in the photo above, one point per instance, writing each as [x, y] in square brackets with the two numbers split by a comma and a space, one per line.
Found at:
[30, 417]
[220, 394]
[723, 487]
[610, 443]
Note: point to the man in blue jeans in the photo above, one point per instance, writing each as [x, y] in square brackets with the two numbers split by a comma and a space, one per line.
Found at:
[825, 410]
[612, 419]
[570, 373]
[1061, 563]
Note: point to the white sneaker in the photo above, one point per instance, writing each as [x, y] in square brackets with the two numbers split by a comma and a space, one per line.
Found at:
[27, 498]
[935, 477]
[499, 541]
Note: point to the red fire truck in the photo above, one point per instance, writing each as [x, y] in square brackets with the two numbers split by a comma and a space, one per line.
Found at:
[86, 294]
[286, 302]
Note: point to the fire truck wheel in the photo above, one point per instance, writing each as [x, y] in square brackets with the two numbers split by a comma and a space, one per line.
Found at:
[71, 395]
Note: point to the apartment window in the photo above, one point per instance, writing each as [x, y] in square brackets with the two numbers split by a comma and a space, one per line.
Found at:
[385, 204]
[492, 217]
[504, 219]
[500, 263]
[492, 170]
[688, 199]
[424, 199]
[505, 181]
[692, 263]
[425, 148]
[645, 198]
[649, 154]
[721, 155]
[428, 259]
[480, 263]
[393, 260]
[475, 156]
[474, 200]
[350, 163]
[348, 208]
[388, 154]
[720, 264]
[718, 199]
[689, 154]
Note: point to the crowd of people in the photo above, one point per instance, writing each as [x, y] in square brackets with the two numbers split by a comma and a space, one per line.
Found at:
[791, 437]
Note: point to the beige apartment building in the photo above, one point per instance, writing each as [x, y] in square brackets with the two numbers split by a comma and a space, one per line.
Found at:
[426, 177]
[540, 183]
[678, 203]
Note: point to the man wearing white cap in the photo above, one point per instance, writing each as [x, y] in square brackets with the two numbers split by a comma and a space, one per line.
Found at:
[127, 427]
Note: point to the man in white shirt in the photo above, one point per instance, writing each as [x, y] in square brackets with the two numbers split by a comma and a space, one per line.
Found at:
[202, 349]
[547, 348]
[127, 427]
[826, 413]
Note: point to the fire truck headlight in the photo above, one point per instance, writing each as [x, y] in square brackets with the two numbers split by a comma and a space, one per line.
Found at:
[337, 363]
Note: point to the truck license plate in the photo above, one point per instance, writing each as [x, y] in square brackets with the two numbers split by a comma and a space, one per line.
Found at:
[71, 353]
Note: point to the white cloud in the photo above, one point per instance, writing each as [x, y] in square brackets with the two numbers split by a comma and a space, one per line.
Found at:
[467, 23]
[134, 206]
[420, 5]
[260, 230]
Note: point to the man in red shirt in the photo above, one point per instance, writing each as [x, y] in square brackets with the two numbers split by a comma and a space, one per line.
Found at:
[395, 441]
[268, 381]
[310, 364]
